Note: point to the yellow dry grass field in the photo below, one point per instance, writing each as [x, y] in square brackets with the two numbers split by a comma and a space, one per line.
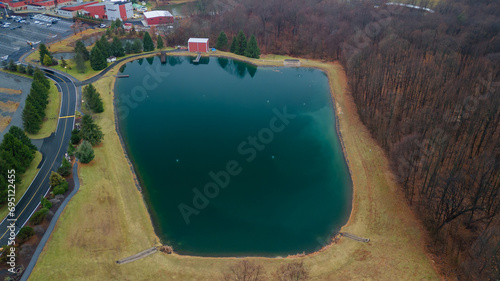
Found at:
[4, 122]
[107, 219]
[10, 91]
[26, 180]
[8, 106]
[64, 45]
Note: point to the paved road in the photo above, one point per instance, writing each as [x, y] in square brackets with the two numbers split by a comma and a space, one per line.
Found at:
[53, 150]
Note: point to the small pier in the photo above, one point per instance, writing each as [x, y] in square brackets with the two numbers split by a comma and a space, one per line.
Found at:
[138, 256]
[122, 76]
[163, 57]
[197, 59]
[354, 237]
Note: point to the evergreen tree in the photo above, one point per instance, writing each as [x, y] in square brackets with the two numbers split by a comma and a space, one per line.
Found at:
[12, 66]
[63, 63]
[148, 43]
[241, 43]
[55, 179]
[137, 46]
[159, 42]
[21, 69]
[81, 49]
[117, 47]
[97, 59]
[252, 50]
[85, 152]
[30, 70]
[20, 135]
[42, 49]
[90, 131]
[222, 41]
[31, 119]
[234, 42]
[128, 48]
[80, 63]
[39, 76]
[104, 46]
[93, 99]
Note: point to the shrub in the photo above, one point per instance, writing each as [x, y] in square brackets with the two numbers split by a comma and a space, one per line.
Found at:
[84, 152]
[56, 179]
[292, 271]
[71, 150]
[45, 203]
[39, 216]
[65, 169]
[58, 190]
[25, 233]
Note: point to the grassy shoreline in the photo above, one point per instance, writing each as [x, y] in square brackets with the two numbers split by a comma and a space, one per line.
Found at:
[113, 221]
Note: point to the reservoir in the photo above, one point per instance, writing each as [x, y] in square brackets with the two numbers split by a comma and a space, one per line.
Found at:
[234, 159]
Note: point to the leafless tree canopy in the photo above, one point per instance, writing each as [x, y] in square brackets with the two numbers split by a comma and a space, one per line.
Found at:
[294, 271]
[244, 270]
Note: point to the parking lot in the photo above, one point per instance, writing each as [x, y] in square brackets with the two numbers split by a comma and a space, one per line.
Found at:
[14, 37]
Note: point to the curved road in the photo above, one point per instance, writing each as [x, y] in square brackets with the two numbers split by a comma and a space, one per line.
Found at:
[53, 150]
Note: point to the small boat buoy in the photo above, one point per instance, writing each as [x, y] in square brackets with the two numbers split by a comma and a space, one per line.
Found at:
[177, 160]
[272, 156]
[267, 101]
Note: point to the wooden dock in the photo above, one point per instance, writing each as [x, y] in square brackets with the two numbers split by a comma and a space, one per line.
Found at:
[354, 237]
[121, 76]
[197, 58]
[163, 57]
[137, 256]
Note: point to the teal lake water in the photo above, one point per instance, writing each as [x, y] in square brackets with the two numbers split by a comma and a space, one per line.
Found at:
[235, 160]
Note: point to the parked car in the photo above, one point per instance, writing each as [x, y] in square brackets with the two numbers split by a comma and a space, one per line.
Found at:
[102, 25]
[37, 22]
[22, 21]
[48, 24]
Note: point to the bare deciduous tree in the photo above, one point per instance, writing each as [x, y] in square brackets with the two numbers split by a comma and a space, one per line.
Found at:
[294, 271]
[244, 270]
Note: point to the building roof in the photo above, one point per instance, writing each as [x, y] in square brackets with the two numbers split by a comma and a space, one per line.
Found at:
[198, 40]
[79, 6]
[155, 14]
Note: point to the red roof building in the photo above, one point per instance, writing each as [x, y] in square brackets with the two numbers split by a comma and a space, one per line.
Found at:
[198, 45]
[158, 17]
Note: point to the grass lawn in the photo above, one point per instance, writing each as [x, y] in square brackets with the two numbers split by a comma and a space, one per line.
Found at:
[62, 46]
[26, 180]
[52, 114]
[89, 72]
[107, 220]
[16, 73]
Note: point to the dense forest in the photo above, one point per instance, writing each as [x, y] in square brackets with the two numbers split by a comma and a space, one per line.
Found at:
[426, 84]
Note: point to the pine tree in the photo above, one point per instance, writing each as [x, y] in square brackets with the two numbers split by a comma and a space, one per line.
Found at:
[80, 63]
[104, 47]
[81, 49]
[137, 46]
[30, 69]
[252, 50]
[241, 43]
[97, 59]
[90, 131]
[128, 48]
[85, 152]
[42, 49]
[234, 42]
[159, 42]
[93, 99]
[221, 41]
[117, 47]
[148, 43]
[31, 120]
[39, 76]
